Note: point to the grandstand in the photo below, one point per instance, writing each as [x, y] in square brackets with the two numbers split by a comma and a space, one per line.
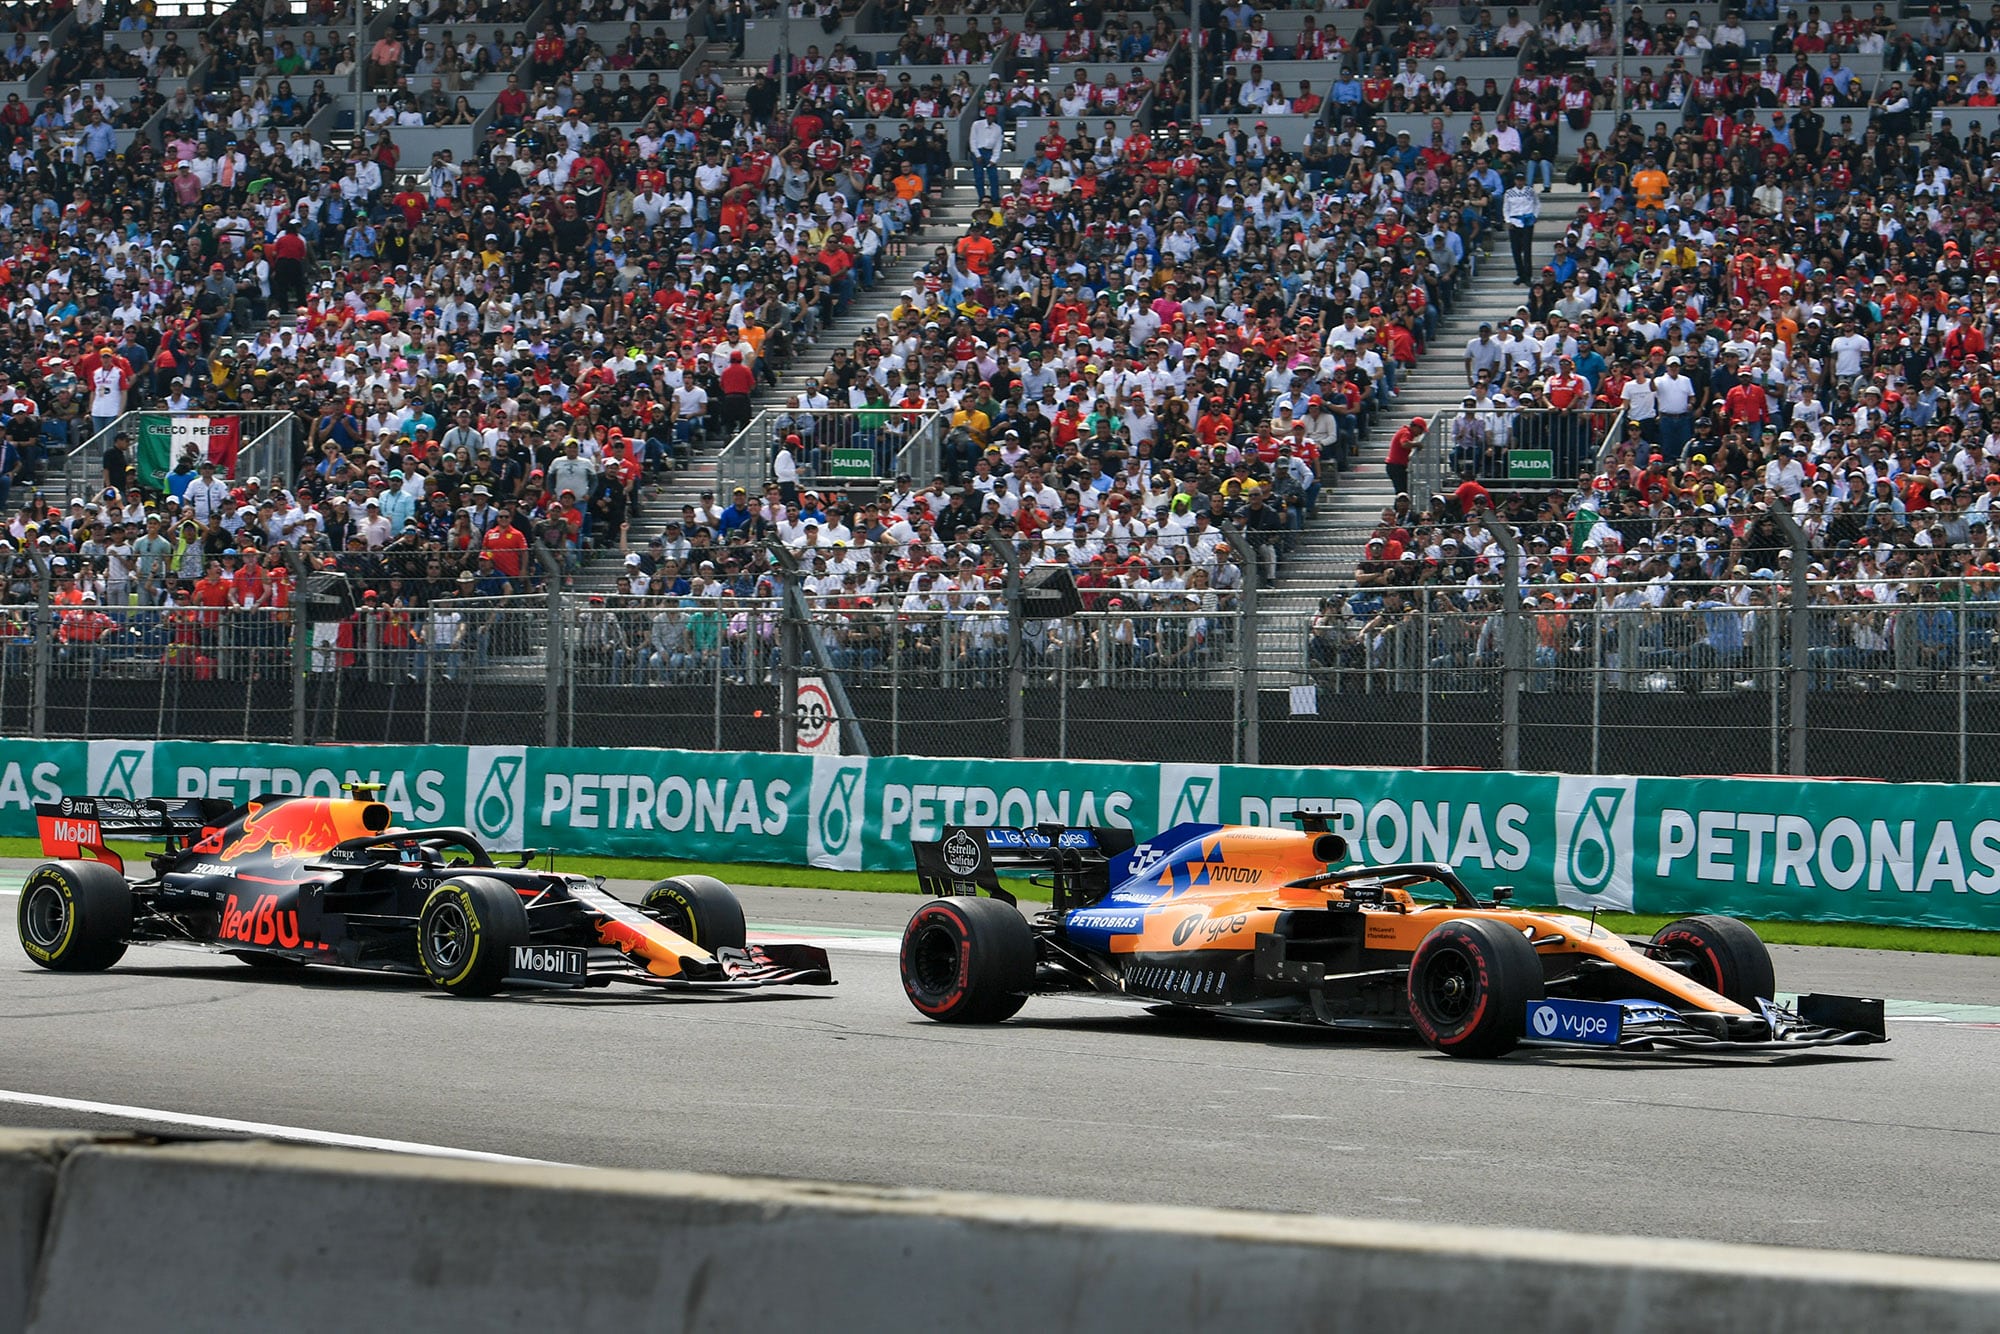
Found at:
[567, 226]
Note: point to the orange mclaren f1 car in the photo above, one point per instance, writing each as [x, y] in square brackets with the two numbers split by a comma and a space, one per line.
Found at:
[287, 881]
[1268, 923]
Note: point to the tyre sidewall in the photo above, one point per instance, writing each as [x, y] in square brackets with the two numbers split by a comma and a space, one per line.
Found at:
[1451, 937]
[494, 922]
[956, 998]
[1506, 976]
[97, 908]
[708, 911]
[1737, 964]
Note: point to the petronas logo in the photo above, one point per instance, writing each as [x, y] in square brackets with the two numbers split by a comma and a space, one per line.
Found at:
[121, 775]
[493, 807]
[1193, 800]
[1593, 858]
[834, 823]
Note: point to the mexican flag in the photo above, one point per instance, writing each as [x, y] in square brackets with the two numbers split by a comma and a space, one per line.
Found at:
[165, 436]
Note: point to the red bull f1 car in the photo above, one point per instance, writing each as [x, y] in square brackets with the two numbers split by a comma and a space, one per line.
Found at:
[287, 881]
[1272, 924]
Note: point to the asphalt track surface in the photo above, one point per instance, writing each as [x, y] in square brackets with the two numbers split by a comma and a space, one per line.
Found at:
[1897, 1150]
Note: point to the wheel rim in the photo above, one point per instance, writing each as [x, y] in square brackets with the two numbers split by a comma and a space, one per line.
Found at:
[934, 959]
[45, 916]
[1450, 985]
[445, 937]
[675, 918]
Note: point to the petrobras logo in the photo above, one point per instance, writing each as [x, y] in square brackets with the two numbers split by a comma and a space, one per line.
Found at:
[1575, 1021]
[496, 787]
[1593, 852]
[834, 812]
[1190, 794]
[1107, 919]
[121, 769]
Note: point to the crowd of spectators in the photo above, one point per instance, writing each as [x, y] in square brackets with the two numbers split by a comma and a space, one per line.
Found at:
[1793, 319]
[475, 356]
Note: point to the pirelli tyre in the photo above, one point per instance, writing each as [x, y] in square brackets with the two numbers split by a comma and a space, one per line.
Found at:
[467, 932]
[75, 916]
[701, 909]
[968, 960]
[1720, 953]
[1471, 982]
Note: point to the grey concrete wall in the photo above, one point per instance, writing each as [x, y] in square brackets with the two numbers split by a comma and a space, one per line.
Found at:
[235, 1236]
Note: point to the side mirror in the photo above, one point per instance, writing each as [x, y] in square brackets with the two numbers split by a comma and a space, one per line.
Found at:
[1502, 893]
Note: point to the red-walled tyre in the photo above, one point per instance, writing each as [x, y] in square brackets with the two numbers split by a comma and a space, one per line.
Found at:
[1720, 953]
[1471, 982]
[968, 960]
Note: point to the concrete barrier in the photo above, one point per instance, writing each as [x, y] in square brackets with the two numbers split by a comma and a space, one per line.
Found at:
[250, 1236]
[29, 1163]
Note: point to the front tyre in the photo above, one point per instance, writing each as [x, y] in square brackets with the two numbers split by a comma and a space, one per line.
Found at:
[699, 908]
[467, 932]
[1721, 954]
[74, 916]
[968, 960]
[1471, 982]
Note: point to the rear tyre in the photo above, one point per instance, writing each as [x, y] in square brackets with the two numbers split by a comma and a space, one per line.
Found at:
[1722, 954]
[74, 916]
[467, 932]
[702, 909]
[968, 960]
[1471, 982]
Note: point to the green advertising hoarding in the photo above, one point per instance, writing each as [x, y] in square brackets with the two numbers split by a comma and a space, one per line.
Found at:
[1920, 854]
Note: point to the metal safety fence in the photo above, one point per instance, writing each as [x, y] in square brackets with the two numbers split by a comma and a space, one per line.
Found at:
[1896, 679]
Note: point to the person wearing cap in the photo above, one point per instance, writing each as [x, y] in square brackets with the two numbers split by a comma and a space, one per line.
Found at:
[1519, 208]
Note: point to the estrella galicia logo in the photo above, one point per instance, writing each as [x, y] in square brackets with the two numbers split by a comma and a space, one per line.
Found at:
[1592, 856]
[496, 793]
[961, 854]
[121, 769]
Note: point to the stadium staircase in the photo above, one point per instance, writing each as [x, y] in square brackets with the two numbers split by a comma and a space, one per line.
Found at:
[1330, 545]
[663, 499]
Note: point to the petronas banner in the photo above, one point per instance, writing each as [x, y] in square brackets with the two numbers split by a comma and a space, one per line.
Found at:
[1770, 848]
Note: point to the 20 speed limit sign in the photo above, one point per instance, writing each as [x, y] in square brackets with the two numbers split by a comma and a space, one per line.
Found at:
[818, 730]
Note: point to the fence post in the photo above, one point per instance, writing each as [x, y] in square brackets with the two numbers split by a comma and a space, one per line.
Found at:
[1964, 670]
[554, 651]
[788, 650]
[302, 647]
[1247, 682]
[1017, 668]
[1510, 640]
[38, 709]
[1800, 635]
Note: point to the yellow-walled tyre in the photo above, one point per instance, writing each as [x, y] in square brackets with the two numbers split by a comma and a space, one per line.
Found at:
[467, 932]
[74, 916]
[701, 909]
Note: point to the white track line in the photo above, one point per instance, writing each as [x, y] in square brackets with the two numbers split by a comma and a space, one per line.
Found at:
[261, 1129]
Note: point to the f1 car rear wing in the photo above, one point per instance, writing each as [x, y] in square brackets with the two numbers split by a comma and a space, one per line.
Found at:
[76, 825]
[969, 858]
